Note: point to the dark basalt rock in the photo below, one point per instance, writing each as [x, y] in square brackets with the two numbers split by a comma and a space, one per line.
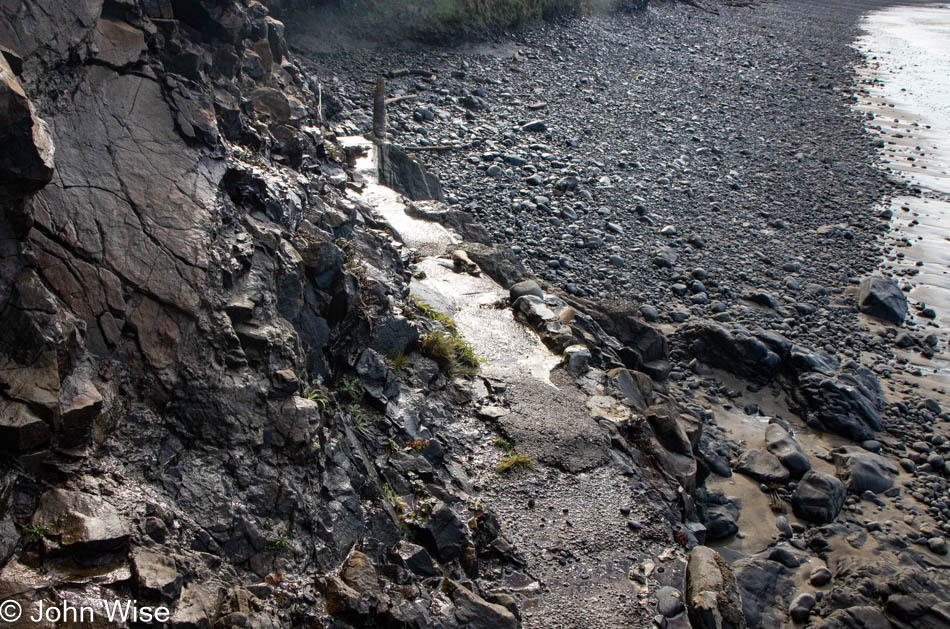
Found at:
[733, 349]
[406, 176]
[783, 445]
[849, 403]
[862, 471]
[818, 497]
[26, 163]
[881, 297]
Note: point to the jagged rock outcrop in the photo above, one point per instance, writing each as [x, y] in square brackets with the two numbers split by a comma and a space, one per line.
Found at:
[735, 350]
[195, 375]
[843, 399]
[26, 164]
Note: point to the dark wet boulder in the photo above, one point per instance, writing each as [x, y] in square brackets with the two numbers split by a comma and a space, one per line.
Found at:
[862, 471]
[783, 445]
[847, 404]
[766, 588]
[801, 606]
[721, 521]
[733, 349]
[882, 298]
[762, 466]
[818, 498]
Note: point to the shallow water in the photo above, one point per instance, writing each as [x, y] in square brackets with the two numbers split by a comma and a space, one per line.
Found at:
[907, 101]
[511, 351]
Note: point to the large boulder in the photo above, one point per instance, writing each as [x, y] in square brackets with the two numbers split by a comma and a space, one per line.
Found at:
[847, 404]
[881, 297]
[766, 588]
[780, 443]
[818, 498]
[733, 349]
[712, 596]
[762, 466]
[155, 576]
[721, 521]
[862, 471]
[82, 521]
[448, 532]
[474, 612]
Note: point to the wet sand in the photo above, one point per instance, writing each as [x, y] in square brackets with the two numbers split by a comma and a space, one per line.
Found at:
[907, 103]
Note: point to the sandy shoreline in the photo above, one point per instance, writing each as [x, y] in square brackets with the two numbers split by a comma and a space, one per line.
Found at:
[738, 143]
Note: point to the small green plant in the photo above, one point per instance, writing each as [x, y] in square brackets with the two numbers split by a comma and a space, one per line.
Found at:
[467, 361]
[398, 364]
[351, 387]
[408, 532]
[278, 544]
[504, 445]
[317, 392]
[429, 312]
[361, 418]
[439, 347]
[398, 504]
[34, 532]
[515, 461]
[453, 353]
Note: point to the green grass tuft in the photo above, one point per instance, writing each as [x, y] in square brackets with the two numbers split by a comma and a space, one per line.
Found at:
[504, 445]
[515, 461]
[398, 364]
[453, 353]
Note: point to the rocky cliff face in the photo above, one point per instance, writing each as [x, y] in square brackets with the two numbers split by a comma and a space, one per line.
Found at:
[190, 305]
[214, 395]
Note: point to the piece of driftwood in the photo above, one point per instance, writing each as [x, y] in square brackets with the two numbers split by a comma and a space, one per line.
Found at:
[399, 99]
[440, 148]
[401, 72]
